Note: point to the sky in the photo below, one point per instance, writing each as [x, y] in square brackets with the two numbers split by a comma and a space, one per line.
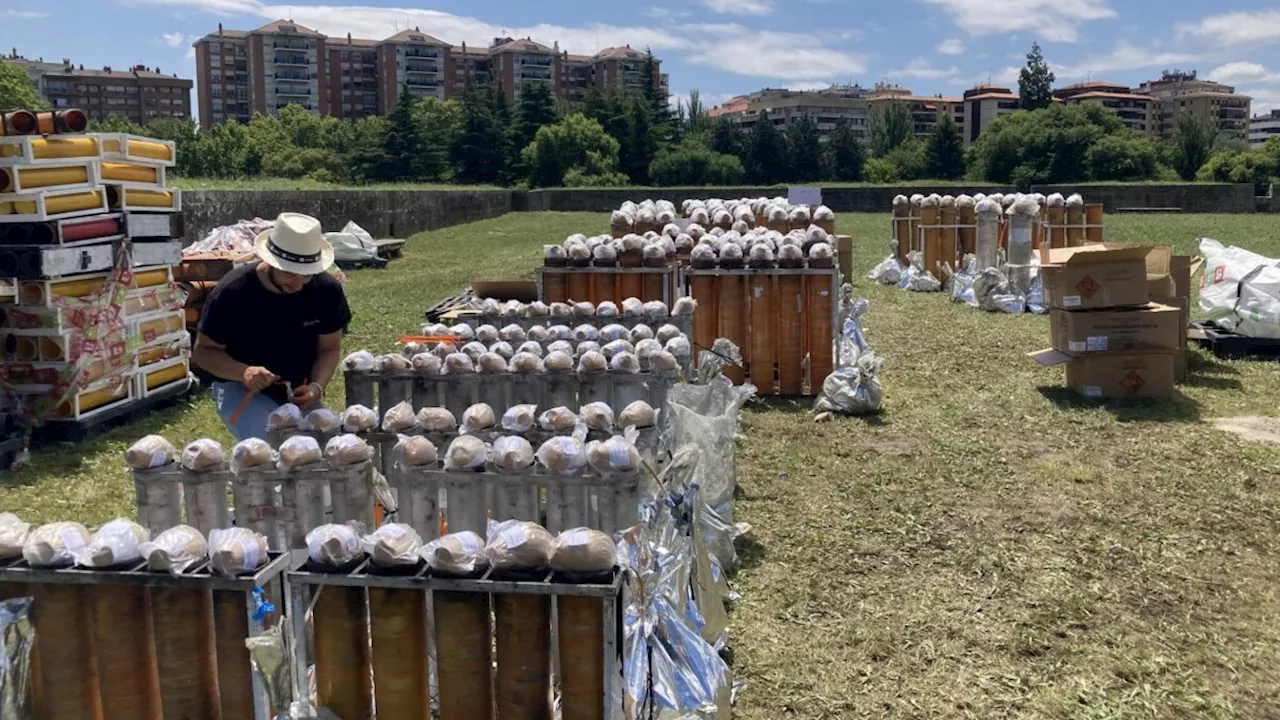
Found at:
[724, 48]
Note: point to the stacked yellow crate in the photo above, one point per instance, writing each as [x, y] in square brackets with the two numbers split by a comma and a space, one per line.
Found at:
[82, 334]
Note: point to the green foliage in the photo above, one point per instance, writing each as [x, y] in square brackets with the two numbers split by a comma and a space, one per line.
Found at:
[17, 92]
[909, 159]
[536, 107]
[1035, 82]
[1193, 141]
[846, 154]
[890, 126]
[882, 171]
[944, 151]
[479, 152]
[765, 153]
[402, 147]
[698, 121]
[694, 164]
[1123, 157]
[1041, 146]
[805, 146]
[583, 177]
[575, 143]
[640, 144]
[1258, 167]
[726, 138]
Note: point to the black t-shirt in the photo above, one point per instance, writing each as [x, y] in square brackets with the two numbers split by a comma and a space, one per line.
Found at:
[273, 330]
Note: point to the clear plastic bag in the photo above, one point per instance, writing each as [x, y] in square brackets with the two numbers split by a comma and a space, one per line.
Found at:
[175, 550]
[400, 418]
[520, 418]
[285, 417]
[13, 533]
[617, 347]
[598, 416]
[203, 454]
[358, 418]
[617, 454]
[392, 363]
[427, 363]
[115, 543]
[460, 553]
[487, 334]
[347, 450]
[613, 333]
[150, 452]
[638, 414]
[667, 333]
[55, 544]
[298, 451]
[335, 546]
[360, 361]
[562, 455]
[437, 419]
[393, 545]
[466, 452]
[511, 452]
[463, 333]
[491, 363]
[414, 451]
[592, 362]
[558, 419]
[478, 418]
[527, 362]
[458, 364]
[584, 550]
[320, 420]
[236, 551]
[519, 545]
[584, 333]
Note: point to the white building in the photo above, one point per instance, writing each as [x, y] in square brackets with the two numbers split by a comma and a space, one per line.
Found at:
[1262, 127]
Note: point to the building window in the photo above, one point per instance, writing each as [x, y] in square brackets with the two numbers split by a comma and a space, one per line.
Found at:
[131, 90]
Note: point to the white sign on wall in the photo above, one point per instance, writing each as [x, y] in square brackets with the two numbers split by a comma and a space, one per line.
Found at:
[811, 196]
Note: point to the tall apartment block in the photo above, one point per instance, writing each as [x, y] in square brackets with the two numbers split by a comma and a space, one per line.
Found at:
[828, 106]
[1177, 93]
[1263, 127]
[141, 94]
[239, 73]
[1139, 112]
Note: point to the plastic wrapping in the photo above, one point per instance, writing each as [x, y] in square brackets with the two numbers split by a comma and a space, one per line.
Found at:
[592, 362]
[443, 351]
[538, 334]
[503, 350]
[174, 550]
[285, 417]
[358, 418]
[917, 279]
[414, 451]
[558, 361]
[298, 451]
[150, 452]
[393, 545]
[427, 363]
[17, 641]
[321, 420]
[437, 419]
[613, 333]
[334, 546]
[478, 418]
[347, 450]
[360, 361]
[582, 550]
[1236, 283]
[400, 418]
[466, 452]
[616, 348]
[202, 454]
[1021, 250]
[667, 333]
[511, 453]
[459, 553]
[526, 362]
[474, 350]
[988, 242]
[598, 416]
[115, 543]
[558, 419]
[520, 418]
[458, 364]
[486, 334]
[583, 309]
[617, 454]
[993, 293]
[962, 282]
[393, 363]
[55, 545]
[853, 389]
[664, 362]
[890, 270]
[519, 545]
[679, 347]
[13, 534]
[269, 658]
[562, 455]
[583, 333]
[236, 551]
[632, 308]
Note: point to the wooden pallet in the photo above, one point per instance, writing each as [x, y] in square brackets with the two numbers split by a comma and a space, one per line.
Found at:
[77, 430]
[1231, 345]
[437, 311]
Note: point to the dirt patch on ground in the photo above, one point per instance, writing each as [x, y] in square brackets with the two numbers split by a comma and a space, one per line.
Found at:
[1253, 428]
[891, 445]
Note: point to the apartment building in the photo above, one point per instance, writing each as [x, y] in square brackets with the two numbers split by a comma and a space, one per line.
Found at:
[1178, 92]
[982, 105]
[1138, 112]
[828, 106]
[141, 94]
[925, 110]
[260, 71]
[1262, 127]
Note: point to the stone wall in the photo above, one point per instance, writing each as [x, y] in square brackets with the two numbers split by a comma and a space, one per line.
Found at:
[384, 213]
[1197, 198]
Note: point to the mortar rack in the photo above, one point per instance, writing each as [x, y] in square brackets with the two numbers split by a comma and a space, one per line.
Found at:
[129, 644]
[493, 638]
[611, 283]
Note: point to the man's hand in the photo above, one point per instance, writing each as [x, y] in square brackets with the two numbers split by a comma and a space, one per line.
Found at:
[258, 379]
[306, 396]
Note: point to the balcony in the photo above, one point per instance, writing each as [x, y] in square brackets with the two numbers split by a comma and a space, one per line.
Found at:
[300, 76]
[293, 91]
[422, 54]
[291, 45]
[287, 59]
[420, 82]
[419, 67]
[535, 61]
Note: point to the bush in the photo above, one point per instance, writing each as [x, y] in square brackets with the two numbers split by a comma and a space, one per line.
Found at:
[1256, 167]
[882, 171]
[1122, 157]
[581, 177]
[693, 164]
[1042, 146]
[909, 159]
[575, 142]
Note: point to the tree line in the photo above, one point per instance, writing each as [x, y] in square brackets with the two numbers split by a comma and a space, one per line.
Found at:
[614, 139]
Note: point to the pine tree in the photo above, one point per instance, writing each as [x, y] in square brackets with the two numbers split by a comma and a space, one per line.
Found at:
[1035, 82]
[402, 148]
[726, 137]
[640, 146]
[845, 153]
[479, 152]
[658, 100]
[805, 147]
[535, 108]
[944, 151]
[890, 126]
[504, 135]
[595, 105]
[766, 161]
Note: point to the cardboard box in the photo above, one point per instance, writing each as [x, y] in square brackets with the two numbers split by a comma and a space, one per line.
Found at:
[1089, 331]
[844, 251]
[1182, 269]
[1099, 276]
[1116, 375]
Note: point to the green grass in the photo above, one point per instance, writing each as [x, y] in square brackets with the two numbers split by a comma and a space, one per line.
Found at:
[988, 548]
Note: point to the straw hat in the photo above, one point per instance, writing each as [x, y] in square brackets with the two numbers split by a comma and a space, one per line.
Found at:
[296, 244]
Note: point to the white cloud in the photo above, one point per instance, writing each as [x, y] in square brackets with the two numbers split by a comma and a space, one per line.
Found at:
[1265, 99]
[808, 86]
[1124, 57]
[922, 70]
[740, 7]
[173, 40]
[23, 14]
[1006, 76]
[953, 46]
[220, 7]
[767, 54]
[1053, 20]
[1234, 28]
[1244, 73]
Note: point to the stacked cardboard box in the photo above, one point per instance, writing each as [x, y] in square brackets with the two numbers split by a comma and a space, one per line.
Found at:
[78, 321]
[1118, 317]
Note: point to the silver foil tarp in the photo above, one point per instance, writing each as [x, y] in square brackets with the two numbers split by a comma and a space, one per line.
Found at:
[269, 653]
[17, 638]
[890, 270]
[711, 363]
[671, 669]
[916, 278]
[962, 281]
[854, 387]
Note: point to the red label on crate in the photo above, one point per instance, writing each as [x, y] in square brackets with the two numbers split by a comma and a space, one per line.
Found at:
[19, 374]
[45, 376]
[115, 352]
[25, 320]
[89, 346]
[148, 335]
[1133, 382]
[1088, 287]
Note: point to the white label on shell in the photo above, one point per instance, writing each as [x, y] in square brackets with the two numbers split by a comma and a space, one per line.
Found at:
[1092, 391]
[470, 543]
[158, 458]
[1077, 346]
[619, 454]
[395, 532]
[574, 538]
[1071, 301]
[513, 537]
[71, 539]
[250, 548]
[1097, 343]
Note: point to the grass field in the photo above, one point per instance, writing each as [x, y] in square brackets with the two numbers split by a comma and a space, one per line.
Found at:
[989, 547]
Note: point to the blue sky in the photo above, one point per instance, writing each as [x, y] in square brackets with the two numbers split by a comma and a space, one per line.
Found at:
[728, 47]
